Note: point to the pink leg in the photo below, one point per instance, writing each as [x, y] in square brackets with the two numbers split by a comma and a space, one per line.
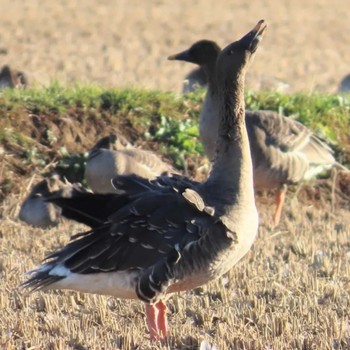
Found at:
[151, 314]
[280, 197]
[162, 324]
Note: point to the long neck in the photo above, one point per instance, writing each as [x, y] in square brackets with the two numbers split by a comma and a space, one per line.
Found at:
[232, 175]
[209, 69]
[209, 119]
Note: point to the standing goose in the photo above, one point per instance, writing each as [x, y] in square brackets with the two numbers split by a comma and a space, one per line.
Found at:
[172, 234]
[283, 150]
[113, 155]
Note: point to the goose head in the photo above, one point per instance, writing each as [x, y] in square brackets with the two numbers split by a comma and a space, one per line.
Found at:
[106, 142]
[202, 52]
[234, 58]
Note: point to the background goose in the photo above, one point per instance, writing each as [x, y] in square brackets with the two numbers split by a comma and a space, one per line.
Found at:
[172, 235]
[113, 155]
[35, 210]
[195, 79]
[344, 85]
[283, 150]
[10, 78]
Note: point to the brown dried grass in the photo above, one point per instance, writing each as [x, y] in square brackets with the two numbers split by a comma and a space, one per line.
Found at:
[292, 291]
[126, 42]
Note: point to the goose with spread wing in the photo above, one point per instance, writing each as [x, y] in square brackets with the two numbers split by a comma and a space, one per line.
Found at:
[172, 234]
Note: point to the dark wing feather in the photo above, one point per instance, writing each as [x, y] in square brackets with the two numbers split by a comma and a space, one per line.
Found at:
[156, 218]
[94, 209]
[89, 208]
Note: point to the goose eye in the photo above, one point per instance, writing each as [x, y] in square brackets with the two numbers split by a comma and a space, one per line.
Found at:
[231, 52]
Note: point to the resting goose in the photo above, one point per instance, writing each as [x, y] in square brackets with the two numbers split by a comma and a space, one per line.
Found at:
[10, 78]
[194, 80]
[344, 85]
[283, 150]
[172, 234]
[113, 155]
[35, 210]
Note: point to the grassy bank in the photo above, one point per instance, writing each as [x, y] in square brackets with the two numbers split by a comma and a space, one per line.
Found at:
[46, 130]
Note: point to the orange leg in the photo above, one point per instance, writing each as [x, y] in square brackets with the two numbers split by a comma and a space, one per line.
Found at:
[280, 198]
[151, 315]
[157, 321]
[162, 323]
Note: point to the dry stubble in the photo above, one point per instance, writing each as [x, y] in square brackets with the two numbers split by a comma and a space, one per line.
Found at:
[290, 292]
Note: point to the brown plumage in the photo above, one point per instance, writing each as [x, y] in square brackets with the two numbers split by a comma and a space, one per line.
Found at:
[113, 155]
[172, 234]
[283, 150]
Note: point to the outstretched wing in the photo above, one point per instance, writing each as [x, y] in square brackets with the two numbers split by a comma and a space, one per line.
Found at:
[91, 209]
[159, 217]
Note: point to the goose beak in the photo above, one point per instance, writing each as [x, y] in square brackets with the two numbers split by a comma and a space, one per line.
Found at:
[252, 39]
[182, 56]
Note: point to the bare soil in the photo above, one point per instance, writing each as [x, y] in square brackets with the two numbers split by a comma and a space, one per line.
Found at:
[126, 42]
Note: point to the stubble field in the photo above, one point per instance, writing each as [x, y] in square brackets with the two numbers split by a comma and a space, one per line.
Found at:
[292, 290]
[126, 42]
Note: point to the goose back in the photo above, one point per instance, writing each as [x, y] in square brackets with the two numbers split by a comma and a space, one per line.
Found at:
[113, 156]
[284, 150]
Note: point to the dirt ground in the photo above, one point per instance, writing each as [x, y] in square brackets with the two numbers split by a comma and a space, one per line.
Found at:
[126, 42]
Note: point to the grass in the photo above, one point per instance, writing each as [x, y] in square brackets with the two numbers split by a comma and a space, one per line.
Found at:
[327, 114]
[291, 291]
[165, 121]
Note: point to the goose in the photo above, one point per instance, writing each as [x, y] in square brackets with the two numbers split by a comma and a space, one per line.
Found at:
[10, 78]
[195, 79]
[344, 85]
[283, 150]
[171, 234]
[113, 155]
[35, 211]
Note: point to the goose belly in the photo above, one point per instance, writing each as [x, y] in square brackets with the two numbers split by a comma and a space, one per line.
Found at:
[227, 255]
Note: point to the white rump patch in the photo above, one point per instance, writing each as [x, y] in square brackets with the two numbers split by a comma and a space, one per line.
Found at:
[120, 284]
